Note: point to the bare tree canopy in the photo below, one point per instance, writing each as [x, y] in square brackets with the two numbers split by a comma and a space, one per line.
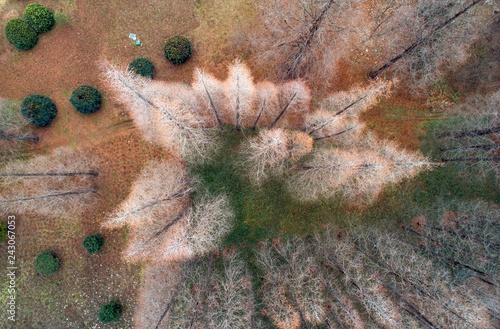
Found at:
[164, 223]
[60, 183]
[300, 36]
[161, 189]
[470, 136]
[425, 37]
[181, 118]
[358, 173]
[273, 151]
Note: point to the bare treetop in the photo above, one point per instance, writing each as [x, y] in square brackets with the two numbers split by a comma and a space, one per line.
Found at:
[60, 183]
[162, 188]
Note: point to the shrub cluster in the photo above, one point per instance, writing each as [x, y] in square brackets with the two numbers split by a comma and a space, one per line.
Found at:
[23, 34]
[3, 231]
[39, 110]
[110, 312]
[86, 99]
[20, 34]
[93, 243]
[177, 49]
[142, 66]
[40, 18]
[46, 263]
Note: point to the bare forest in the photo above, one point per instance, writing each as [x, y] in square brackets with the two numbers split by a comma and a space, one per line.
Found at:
[284, 164]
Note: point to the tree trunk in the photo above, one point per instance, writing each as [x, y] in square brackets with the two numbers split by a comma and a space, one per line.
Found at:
[30, 138]
[88, 173]
[62, 194]
[470, 133]
[375, 73]
[284, 110]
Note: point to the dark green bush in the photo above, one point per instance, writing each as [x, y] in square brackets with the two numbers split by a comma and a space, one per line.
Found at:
[142, 66]
[20, 34]
[40, 18]
[93, 243]
[177, 49]
[110, 312]
[46, 263]
[39, 110]
[3, 231]
[86, 99]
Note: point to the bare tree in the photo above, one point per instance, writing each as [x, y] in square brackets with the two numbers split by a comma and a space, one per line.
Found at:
[427, 37]
[294, 98]
[469, 138]
[230, 299]
[273, 151]
[164, 223]
[359, 173]
[158, 288]
[60, 183]
[300, 37]
[266, 95]
[165, 114]
[14, 133]
[291, 267]
[338, 121]
[212, 297]
[162, 188]
[240, 92]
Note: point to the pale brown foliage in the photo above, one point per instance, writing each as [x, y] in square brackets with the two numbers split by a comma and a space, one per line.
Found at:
[60, 183]
[179, 117]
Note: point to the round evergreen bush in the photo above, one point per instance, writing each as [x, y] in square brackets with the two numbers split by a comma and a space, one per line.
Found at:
[40, 18]
[86, 99]
[3, 231]
[39, 110]
[93, 243]
[177, 49]
[46, 263]
[20, 34]
[110, 312]
[142, 66]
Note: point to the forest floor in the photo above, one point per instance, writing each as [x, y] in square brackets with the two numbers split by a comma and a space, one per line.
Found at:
[86, 34]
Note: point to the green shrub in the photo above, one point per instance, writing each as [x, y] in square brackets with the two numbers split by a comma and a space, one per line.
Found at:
[86, 99]
[40, 18]
[39, 110]
[3, 231]
[46, 263]
[110, 312]
[177, 49]
[61, 18]
[20, 34]
[93, 243]
[142, 66]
